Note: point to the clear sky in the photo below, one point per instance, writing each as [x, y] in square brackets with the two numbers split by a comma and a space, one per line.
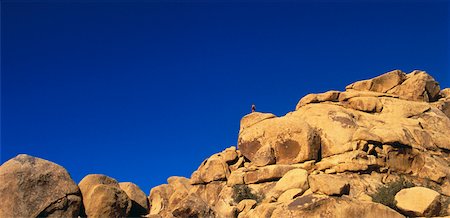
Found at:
[145, 90]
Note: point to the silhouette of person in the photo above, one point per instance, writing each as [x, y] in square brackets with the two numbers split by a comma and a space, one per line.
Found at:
[253, 108]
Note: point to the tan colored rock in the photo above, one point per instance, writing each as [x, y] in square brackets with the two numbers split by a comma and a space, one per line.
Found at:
[264, 156]
[192, 206]
[159, 198]
[263, 210]
[381, 83]
[236, 178]
[212, 169]
[179, 182]
[291, 140]
[345, 96]
[419, 86]
[239, 163]
[444, 105]
[294, 179]
[418, 201]
[253, 118]
[32, 187]
[445, 188]
[290, 194]
[139, 201]
[319, 206]
[317, 98]
[366, 104]
[102, 197]
[176, 198]
[210, 192]
[334, 124]
[267, 173]
[445, 93]
[106, 201]
[307, 165]
[328, 184]
[229, 155]
[430, 167]
[364, 197]
[246, 205]
[224, 209]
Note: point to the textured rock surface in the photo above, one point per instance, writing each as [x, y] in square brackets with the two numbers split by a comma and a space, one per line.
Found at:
[279, 140]
[31, 187]
[102, 197]
[329, 184]
[294, 179]
[361, 152]
[351, 148]
[139, 201]
[318, 206]
[418, 201]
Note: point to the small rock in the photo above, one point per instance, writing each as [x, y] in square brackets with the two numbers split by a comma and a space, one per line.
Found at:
[246, 205]
[290, 194]
[267, 173]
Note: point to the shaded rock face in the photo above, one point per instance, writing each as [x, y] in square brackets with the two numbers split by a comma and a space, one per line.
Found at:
[103, 197]
[31, 187]
[138, 198]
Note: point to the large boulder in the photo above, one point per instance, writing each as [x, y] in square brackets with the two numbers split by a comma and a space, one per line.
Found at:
[318, 98]
[415, 86]
[418, 201]
[334, 125]
[138, 198]
[253, 118]
[102, 197]
[382, 83]
[418, 86]
[214, 168]
[159, 198]
[279, 140]
[32, 187]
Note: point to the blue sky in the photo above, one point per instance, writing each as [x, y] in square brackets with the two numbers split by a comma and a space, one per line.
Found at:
[142, 91]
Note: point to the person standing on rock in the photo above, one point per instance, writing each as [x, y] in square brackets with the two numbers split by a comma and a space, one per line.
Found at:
[253, 108]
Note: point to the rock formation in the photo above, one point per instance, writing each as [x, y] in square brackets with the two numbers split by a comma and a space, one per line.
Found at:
[31, 187]
[381, 148]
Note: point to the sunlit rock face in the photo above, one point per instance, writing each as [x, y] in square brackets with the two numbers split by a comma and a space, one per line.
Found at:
[381, 148]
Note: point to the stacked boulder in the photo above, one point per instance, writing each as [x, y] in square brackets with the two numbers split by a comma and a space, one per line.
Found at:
[34, 187]
[340, 153]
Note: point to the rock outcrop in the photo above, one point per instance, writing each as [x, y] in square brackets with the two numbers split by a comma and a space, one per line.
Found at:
[381, 148]
[340, 153]
[32, 187]
[102, 197]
